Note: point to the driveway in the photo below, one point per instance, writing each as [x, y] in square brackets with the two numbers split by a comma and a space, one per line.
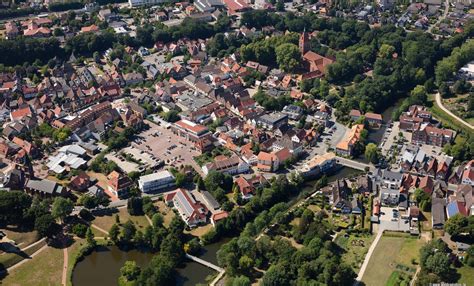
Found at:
[440, 104]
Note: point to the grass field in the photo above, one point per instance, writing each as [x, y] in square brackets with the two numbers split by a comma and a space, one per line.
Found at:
[356, 248]
[166, 211]
[391, 251]
[200, 231]
[106, 221]
[73, 251]
[43, 269]
[10, 259]
[22, 238]
[467, 275]
[398, 278]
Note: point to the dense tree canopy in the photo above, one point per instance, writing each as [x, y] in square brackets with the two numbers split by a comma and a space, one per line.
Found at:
[13, 206]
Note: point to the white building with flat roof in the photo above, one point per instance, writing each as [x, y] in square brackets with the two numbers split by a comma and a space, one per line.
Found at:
[156, 181]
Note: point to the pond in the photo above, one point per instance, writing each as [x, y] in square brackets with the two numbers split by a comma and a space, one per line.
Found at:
[209, 252]
[102, 267]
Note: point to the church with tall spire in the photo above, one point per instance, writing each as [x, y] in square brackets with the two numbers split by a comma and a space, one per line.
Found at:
[304, 43]
[314, 63]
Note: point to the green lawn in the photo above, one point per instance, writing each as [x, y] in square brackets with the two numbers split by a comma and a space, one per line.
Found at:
[10, 259]
[355, 247]
[22, 238]
[105, 222]
[392, 253]
[73, 251]
[398, 278]
[43, 269]
[467, 275]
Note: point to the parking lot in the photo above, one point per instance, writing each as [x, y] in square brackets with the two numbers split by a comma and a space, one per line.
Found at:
[390, 136]
[173, 150]
[392, 220]
[125, 165]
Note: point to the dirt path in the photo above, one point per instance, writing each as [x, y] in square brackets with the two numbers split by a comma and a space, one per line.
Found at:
[149, 220]
[65, 263]
[440, 104]
[100, 229]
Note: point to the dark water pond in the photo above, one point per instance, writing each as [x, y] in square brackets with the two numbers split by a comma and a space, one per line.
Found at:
[103, 268]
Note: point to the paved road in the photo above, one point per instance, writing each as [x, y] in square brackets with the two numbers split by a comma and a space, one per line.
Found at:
[353, 164]
[367, 257]
[440, 104]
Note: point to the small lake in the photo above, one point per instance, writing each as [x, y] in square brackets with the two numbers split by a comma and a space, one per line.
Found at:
[102, 267]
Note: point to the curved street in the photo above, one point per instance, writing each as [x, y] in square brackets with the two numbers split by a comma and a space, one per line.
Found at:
[440, 104]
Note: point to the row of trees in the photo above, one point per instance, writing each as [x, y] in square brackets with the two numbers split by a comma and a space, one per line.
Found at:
[21, 49]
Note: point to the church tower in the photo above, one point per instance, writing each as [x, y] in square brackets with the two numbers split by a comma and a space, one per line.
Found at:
[304, 43]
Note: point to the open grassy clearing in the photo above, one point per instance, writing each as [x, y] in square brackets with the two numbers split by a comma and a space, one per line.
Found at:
[446, 119]
[43, 269]
[10, 259]
[467, 275]
[393, 253]
[22, 238]
[73, 251]
[355, 248]
[166, 211]
[106, 221]
[200, 231]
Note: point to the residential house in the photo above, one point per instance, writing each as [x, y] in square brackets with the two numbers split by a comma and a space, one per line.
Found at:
[118, 184]
[271, 121]
[438, 212]
[294, 112]
[374, 119]
[81, 182]
[467, 177]
[267, 162]
[391, 180]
